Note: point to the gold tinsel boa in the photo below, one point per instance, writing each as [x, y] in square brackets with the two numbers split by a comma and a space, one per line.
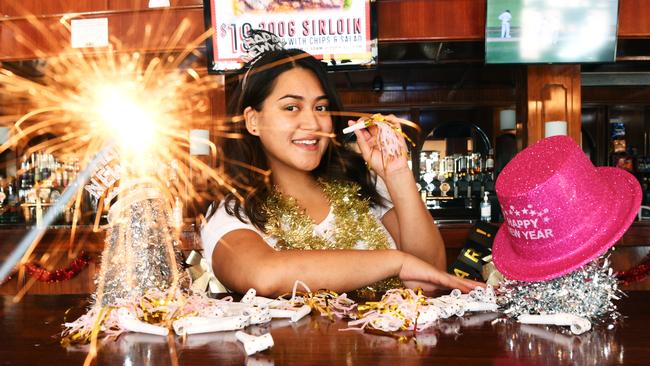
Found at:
[353, 223]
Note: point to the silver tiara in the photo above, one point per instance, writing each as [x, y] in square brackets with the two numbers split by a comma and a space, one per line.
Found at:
[256, 43]
[259, 41]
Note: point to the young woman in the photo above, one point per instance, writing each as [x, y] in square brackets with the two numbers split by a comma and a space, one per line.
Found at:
[360, 214]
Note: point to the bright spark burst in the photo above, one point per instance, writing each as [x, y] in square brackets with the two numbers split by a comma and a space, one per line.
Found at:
[143, 104]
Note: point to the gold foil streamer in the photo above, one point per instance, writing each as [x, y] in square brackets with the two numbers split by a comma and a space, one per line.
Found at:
[383, 307]
[353, 222]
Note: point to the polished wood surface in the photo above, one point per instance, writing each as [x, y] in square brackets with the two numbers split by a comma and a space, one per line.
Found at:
[633, 18]
[553, 94]
[432, 98]
[422, 20]
[29, 330]
[615, 95]
[398, 20]
[413, 20]
[18, 8]
[27, 38]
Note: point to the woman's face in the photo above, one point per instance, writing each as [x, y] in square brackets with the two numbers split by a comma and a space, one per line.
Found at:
[294, 122]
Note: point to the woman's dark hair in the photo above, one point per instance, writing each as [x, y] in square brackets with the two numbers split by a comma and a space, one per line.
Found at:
[338, 161]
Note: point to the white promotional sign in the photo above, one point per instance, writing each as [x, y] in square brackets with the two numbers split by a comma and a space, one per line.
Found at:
[329, 30]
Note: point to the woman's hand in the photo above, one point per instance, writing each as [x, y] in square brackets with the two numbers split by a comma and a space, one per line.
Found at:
[418, 273]
[368, 142]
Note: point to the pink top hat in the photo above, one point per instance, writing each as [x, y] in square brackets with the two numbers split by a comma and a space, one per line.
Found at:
[560, 211]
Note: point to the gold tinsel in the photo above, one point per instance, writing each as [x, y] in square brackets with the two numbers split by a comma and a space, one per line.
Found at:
[353, 222]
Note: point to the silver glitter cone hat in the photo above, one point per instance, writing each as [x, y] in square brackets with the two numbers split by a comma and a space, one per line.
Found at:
[139, 249]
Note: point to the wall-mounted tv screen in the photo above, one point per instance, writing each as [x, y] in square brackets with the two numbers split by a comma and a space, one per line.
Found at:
[550, 31]
[342, 33]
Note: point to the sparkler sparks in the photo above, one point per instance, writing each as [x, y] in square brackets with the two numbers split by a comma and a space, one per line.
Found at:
[142, 104]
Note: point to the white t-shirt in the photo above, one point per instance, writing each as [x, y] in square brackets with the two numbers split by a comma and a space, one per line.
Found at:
[222, 223]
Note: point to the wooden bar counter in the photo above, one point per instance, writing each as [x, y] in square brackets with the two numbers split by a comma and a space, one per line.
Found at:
[30, 328]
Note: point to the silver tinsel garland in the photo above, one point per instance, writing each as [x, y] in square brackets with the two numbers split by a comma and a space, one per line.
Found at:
[587, 292]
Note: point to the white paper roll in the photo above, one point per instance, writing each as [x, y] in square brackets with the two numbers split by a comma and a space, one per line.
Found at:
[197, 324]
[480, 306]
[300, 313]
[249, 296]
[253, 344]
[129, 322]
[354, 127]
[259, 315]
[577, 324]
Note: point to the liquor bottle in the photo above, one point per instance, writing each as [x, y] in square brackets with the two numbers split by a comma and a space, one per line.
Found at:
[65, 175]
[36, 168]
[3, 194]
[423, 166]
[454, 184]
[645, 189]
[11, 191]
[489, 163]
[436, 185]
[488, 183]
[477, 185]
[177, 213]
[462, 185]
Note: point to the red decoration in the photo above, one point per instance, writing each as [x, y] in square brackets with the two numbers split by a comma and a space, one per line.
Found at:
[63, 274]
[636, 273]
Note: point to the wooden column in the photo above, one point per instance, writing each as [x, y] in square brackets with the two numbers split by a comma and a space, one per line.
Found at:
[552, 94]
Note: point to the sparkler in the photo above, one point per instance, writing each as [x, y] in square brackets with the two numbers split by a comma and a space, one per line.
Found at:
[137, 102]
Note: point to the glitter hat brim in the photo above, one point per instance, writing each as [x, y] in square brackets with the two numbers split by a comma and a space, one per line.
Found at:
[597, 236]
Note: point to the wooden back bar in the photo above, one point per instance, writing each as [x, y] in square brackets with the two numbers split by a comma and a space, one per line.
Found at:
[16, 8]
[26, 38]
[426, 20]
[398, 20]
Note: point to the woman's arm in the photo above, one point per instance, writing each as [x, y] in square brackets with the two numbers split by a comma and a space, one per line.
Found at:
[242, 260]
[409, 222]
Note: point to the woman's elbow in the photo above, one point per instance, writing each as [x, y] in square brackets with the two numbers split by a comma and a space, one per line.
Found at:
[264, 283]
